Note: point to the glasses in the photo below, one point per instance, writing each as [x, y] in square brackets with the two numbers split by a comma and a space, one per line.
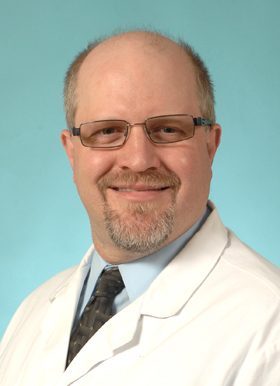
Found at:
[113, 133]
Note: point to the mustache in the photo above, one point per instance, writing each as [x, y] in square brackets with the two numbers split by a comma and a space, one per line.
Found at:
[152, 178]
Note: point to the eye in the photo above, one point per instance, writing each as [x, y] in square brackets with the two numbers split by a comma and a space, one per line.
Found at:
[167, 133]
[168, 130]
[108, 131]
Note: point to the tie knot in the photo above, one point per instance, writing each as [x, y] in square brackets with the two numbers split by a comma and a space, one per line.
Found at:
[109, 284]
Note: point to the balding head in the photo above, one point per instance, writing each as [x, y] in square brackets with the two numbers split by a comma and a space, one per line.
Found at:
[132, 46]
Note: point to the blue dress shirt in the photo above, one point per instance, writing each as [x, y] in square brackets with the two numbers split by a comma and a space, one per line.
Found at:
[137, 275]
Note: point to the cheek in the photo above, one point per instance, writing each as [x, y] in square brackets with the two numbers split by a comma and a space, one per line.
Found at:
[193, 167]
[89, 166]
[189, 162]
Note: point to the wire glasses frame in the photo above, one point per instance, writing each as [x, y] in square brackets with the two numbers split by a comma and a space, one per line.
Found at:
[163, 129]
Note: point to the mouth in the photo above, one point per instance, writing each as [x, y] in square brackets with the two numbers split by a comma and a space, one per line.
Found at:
[139, 188]
[138, 193]
[153, 183]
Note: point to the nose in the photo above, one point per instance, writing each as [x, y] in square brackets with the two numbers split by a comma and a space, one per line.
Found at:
[138, 153]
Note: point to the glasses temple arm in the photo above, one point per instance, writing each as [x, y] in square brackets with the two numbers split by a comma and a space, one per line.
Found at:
[202, 122]
[75, 131]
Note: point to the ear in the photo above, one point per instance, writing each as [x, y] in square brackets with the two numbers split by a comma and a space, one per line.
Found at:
[214, 139]
[67, 143]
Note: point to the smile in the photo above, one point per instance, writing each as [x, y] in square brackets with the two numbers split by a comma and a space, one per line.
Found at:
[139, 193]
[147, 189]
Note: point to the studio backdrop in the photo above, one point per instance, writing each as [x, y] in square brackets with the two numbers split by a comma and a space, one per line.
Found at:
[43, 226]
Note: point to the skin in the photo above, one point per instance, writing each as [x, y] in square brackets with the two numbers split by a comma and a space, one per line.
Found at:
[133, 77]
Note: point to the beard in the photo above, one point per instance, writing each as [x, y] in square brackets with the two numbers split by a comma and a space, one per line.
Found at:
[140, 227]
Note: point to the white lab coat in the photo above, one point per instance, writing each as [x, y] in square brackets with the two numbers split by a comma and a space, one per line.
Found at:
[211, 318]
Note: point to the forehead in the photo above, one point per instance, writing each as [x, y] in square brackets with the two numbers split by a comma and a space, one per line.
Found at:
[136, 70]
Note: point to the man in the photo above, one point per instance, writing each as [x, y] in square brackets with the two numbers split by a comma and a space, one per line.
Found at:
[198, 307]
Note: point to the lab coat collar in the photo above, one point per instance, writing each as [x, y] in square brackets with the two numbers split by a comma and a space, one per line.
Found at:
[179, 281]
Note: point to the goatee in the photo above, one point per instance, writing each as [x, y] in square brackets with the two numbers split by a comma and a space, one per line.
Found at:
[142, 227]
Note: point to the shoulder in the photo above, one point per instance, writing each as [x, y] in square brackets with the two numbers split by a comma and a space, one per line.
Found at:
[241, 280]
[47, 291]
[249, 289]
[36, 303]
[251, 267]
[50, 287]
[238, 261]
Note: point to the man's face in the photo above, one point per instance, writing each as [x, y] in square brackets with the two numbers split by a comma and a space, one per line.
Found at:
[142, 196]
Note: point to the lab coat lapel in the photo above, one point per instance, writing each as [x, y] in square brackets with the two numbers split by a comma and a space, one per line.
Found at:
[118, 332]
[179, 281]
[56, 327]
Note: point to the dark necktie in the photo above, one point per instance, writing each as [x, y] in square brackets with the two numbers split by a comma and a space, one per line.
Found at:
[97, 311]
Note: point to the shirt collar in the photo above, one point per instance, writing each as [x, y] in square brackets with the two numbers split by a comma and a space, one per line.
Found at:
[139, 274]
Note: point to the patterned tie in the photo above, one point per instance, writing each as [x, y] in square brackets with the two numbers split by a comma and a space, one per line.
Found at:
[97, 311]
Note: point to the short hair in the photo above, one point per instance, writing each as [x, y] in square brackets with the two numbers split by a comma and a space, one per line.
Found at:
[204, 83]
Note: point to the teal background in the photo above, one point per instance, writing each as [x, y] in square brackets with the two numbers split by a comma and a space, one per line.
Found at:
[43, 227]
